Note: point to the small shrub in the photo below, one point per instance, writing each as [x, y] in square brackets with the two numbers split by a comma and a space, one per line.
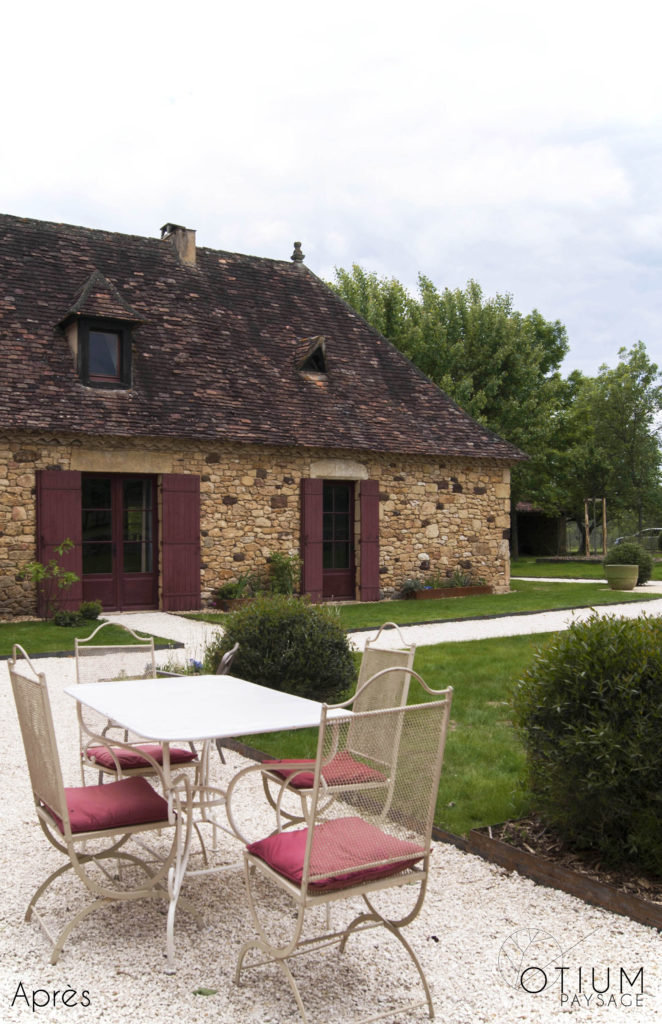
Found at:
[247, 585]
[65, 618]
[227, 591]
[460, 579]
[438, 581]
[90, 610]
[590, 713]
[410, 586]
[289, 645]
[631, 553]
[284, 573]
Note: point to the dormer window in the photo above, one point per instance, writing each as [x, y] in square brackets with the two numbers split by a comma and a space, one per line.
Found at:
[98, 329]
[104, 354]
[313, 363]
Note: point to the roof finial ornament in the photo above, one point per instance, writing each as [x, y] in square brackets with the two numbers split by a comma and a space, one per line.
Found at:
[297, 256]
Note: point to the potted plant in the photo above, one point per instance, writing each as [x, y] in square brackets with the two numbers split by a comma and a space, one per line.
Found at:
[627, 565]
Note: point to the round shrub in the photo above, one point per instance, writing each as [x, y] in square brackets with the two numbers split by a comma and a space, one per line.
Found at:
[631, 553]
[90, 610]
[589, 710]
[288, 644]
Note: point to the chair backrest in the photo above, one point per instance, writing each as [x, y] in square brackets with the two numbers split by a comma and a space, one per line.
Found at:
[373, 827]
[393, 686]
[96, 662]
[36, 722]
[226, 661]
[391, 670]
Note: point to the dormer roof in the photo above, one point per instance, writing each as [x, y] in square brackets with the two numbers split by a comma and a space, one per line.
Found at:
[98, 297]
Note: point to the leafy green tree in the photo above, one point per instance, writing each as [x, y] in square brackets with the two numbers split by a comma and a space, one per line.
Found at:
[626, 406]
[608, 439]
[585, 436]
[383, 302]
[500, 366]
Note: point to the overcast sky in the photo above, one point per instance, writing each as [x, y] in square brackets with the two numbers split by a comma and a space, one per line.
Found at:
[518, 143]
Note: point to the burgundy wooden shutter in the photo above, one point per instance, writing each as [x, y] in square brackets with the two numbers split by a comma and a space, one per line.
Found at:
[59, 517]
[311, 537]
[369, 497]
[180, 537]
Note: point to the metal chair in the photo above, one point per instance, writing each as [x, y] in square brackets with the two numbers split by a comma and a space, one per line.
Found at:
[224, 670]
[376, 658]
[90, 824]
[98, 662]
[388, 670]
[369, 838]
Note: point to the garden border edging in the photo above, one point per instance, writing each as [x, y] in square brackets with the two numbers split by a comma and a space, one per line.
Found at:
[556, 876]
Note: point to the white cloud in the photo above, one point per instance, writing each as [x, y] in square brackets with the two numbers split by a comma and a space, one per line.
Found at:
[516, 142]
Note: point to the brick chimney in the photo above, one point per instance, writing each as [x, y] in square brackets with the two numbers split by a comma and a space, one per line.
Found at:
[183, 240]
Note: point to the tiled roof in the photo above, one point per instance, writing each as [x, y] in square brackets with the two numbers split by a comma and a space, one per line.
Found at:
[215, 353]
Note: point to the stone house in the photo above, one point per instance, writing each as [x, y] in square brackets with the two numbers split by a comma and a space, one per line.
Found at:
[180, 413]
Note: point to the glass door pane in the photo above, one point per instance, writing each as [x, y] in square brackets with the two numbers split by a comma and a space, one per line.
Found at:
[336, 526]
[137, 540]
[97, 525]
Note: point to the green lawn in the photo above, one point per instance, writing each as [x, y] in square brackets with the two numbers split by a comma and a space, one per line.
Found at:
[568, 570]
[43, 637]
[484, 763]
[525, 596]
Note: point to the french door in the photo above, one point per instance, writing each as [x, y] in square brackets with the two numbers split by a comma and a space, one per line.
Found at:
[338, 571]
[119, 531]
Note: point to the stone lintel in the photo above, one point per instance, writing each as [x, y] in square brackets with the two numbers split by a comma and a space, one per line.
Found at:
[339, 469]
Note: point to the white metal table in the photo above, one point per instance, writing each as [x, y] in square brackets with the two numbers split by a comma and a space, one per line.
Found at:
[189, 708]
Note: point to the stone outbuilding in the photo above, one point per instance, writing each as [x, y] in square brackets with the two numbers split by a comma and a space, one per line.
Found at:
[181, 413]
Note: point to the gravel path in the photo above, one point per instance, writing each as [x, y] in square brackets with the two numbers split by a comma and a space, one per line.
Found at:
[474, 914]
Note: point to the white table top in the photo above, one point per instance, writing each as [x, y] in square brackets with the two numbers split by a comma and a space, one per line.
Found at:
[198, 707]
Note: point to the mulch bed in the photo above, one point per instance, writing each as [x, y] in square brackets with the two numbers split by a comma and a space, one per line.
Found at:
[532, 836]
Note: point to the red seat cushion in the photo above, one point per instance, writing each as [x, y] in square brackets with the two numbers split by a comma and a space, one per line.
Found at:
[343, 769]
[113, 806]
[132, 758]
[344, 853]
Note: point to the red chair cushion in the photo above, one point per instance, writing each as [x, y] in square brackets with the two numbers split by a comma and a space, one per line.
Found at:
[343, 854]
[132, 758]
[113, 806]
[343, 769]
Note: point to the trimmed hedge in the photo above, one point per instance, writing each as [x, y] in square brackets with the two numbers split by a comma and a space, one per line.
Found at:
[590, 713]
[288, 644]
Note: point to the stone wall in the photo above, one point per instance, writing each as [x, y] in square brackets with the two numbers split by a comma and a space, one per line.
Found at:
[455, 512]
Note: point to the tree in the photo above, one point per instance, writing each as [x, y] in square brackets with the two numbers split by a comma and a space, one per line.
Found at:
[384, 303]
[585, 436]
[500, 366]
[626, 405]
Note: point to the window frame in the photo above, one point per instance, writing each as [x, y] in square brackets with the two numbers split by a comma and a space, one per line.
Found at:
[123, 330]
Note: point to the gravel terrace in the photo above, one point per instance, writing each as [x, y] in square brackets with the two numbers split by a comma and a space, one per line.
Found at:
[476, 922]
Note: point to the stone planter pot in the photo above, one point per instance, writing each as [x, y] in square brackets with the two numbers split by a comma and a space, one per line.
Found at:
[622, 577]
[422, 595]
